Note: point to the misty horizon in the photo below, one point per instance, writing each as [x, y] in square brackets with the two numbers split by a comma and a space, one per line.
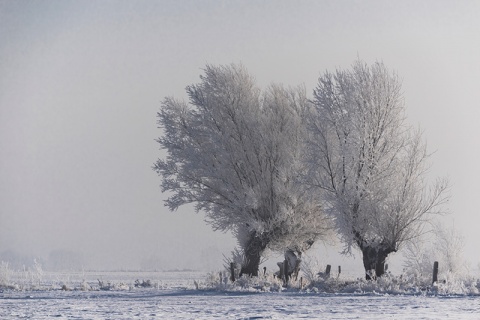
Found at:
[81, 84]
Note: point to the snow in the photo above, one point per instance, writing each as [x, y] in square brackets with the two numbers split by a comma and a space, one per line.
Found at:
[173, 295]
[193, 304]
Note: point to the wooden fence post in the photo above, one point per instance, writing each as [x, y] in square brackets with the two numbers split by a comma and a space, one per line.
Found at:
[435, 272]
[327, 271]
[232, 271]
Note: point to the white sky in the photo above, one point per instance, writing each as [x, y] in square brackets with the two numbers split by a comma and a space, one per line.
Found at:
[81, 82]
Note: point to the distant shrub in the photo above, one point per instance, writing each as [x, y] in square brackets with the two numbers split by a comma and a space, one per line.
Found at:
[5, 273]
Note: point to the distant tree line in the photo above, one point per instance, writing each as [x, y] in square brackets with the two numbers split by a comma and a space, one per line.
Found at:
[57, 260]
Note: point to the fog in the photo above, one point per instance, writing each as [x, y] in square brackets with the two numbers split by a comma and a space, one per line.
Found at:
[81, 82]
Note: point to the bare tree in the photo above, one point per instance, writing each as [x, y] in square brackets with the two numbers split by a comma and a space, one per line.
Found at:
[444, 244]
[236, 153]
[368, 164]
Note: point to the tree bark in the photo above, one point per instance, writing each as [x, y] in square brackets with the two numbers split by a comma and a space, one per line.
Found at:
[256, 245]
[374, 259]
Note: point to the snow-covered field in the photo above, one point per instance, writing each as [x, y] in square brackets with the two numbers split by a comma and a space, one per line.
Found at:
[173, 295]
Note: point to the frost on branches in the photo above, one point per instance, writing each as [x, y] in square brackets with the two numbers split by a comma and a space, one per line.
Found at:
[445, 245]
[368, 164]
[236, 153]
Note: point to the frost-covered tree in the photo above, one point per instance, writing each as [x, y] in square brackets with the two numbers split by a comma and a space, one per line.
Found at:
[444, 244]
[368, 163]
[236, 153]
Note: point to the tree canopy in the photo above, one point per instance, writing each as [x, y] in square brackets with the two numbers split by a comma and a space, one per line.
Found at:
[237, 154]
[368, 164]
[274, 167]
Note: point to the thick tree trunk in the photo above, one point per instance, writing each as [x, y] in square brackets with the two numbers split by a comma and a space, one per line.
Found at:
[250, 266]
[374, 259]
[253, 254]
[294, 261]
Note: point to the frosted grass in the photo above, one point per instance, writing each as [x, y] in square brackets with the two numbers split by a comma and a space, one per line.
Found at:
[173, 295]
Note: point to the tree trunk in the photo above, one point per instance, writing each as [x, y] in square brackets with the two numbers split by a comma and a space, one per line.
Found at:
[250, 266]
[374, 259]
[253, 254]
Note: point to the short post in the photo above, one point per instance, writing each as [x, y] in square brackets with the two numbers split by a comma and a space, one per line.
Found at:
[327, 271]
[435, 272]
[232, 271]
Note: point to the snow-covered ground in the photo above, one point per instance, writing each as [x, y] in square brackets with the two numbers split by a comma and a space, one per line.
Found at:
[173, 295]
